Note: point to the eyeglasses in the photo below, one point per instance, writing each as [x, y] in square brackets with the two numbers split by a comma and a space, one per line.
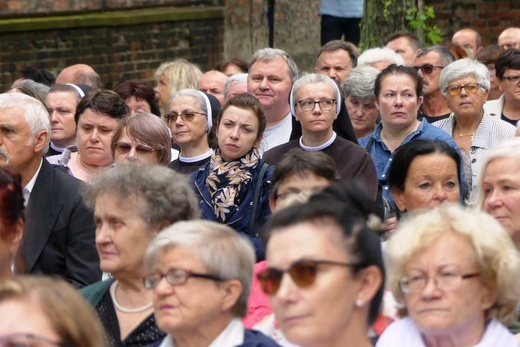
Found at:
[302, 272]
[25, 340]
[471, 88]
[309, 104]
[125, 148]
[427, 68]
[186, 115]
[513, 79]
[174, 277]
[446, 279]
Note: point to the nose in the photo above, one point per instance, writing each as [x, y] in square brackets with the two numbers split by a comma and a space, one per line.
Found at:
[398, 100]
[264, 84]
[132, 155]
[358, 111]
[492, 200]
[430, 290]
[54, 118]
[102, 234]
[163, 287]
[235, 133]
[94, 136]
[439, 193]
[420, 73]
[287, 289]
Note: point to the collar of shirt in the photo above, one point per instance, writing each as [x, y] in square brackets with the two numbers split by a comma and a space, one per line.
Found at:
[232, 335]
[29, 187]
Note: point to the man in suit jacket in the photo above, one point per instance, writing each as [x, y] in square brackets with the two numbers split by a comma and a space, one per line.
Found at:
[59, 232]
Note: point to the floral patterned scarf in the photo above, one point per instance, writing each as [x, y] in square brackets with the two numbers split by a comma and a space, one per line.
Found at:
[229, 182]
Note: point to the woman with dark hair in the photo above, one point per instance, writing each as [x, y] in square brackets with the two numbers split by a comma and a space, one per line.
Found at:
[97, 117]
[232, 66]
[398, 97]
[425, 174]
[325, 274]
[139, 97]
[233, 188]
[11, 220]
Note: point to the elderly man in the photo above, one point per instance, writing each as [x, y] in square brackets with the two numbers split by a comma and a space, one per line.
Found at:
[509, 38]
[235, 84]
[271, 75]
[212, 82]
[404, 43]
[79, 74]
[59, 232]
[468, 39]
[336, 59]
[429, 63]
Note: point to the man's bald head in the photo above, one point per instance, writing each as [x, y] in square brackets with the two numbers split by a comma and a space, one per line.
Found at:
[468, 39]
[212, 82]
[79, 74]
[509, 38]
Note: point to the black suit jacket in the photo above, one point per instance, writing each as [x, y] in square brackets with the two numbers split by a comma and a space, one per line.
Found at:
[59, 233]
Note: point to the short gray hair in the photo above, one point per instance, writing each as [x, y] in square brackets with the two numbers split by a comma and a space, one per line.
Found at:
[313, 78]
[444, 54]
[360, 82]
[34, 112]
[167, 195]
[225, 253]
[268, 54]
[234, 79]
[462, 68]
[373, 55]
[29, 87]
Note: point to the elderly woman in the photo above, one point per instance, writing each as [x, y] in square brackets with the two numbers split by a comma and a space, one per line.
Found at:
[489, 56]
[425, 174]
[43, 311]
[455, 274]
[61, 102]
[11, 220]
[398, 98]
[315, 102]
[325, 274]
[360, 99]
[507, 68]
[173, 76]
[142, 138]
[191, 114]
[139, 96]
[201, 278]
[97, 117]
[233, 187]
[465, 86]
[130, 208]
[499, 186]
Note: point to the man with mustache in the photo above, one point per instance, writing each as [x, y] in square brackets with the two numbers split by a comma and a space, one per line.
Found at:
[429, 63]
[59, 231]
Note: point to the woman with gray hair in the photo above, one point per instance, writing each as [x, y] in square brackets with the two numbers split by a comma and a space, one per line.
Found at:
[360, 99]
[190, 117]
[454, 274]
[130, 208]
[315, 101]
[201, 275]
[465, 85]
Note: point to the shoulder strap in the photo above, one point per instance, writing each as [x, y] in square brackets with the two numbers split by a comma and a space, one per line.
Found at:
[368, 147]
[256, 197]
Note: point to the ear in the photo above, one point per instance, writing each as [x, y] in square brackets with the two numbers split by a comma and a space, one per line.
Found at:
[419, 102]
[488, 297]
[257, 142]
[17, 238]
[40, 140]
[272, 203]
[231, 290]
[486, 94]
[399, 199]
[371, 281]
[376, 101]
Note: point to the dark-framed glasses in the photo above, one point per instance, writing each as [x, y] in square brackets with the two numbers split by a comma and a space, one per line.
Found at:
[427, 68]
[175, 277]
[445, 279]
[513, 79]
[186, 115]
[125, 148]
[309, 104]
[302, 272]
[471, 88]
[27, 340]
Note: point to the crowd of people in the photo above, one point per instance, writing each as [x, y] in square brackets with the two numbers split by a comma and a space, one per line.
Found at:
[374, 201]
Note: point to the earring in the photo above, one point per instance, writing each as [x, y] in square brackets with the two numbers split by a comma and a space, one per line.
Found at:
[359, 303]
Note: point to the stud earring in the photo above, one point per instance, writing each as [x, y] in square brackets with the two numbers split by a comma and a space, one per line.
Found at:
[359, 303]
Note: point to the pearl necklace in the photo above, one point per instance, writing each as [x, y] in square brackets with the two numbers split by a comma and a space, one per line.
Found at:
[123, 309]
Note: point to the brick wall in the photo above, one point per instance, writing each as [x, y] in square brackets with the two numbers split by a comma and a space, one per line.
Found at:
[118, 45]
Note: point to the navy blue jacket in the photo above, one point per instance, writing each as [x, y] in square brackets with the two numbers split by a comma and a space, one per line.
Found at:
[252, 338]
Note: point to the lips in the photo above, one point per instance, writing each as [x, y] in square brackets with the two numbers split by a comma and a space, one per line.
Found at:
[93, 148]
[231, 146]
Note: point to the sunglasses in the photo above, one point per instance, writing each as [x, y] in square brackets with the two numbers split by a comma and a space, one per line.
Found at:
[186, 115]
[427, 68]
[302, 272]
[471, 88]
[125, 148]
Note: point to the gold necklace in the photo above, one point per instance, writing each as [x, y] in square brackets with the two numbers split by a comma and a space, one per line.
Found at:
[467, 135]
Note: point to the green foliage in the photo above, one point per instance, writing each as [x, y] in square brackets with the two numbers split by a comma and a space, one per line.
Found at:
[420, 21]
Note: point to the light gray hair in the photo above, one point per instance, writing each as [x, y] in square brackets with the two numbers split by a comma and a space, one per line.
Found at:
[222, 250]
[360, 82]
[194, 93]
[167, 195]
[268, 54]
[34, 112]
[234, 79]
[313, 78]
[29, 87]
[444, 54]
[462, 68]
[373, 55]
